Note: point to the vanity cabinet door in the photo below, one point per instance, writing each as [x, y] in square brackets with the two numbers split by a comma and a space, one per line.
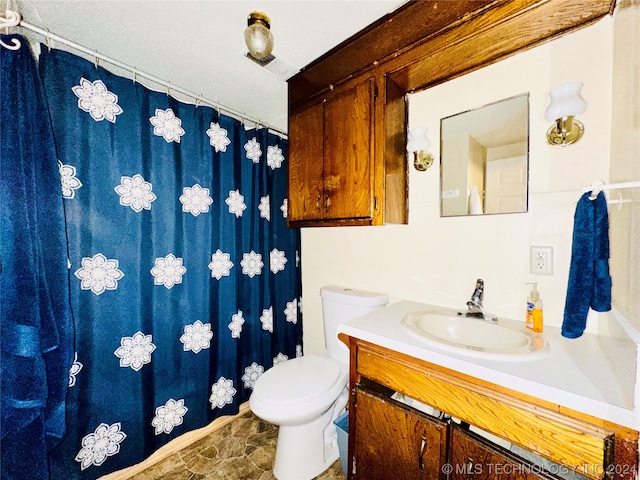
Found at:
[473, 458]
[394, 441]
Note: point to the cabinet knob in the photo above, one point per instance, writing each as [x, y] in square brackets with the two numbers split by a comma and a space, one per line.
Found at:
[318, 202]
[327, 202]
[423, 449]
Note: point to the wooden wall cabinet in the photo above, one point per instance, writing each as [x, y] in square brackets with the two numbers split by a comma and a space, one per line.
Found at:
[331, 157]
[347, 109]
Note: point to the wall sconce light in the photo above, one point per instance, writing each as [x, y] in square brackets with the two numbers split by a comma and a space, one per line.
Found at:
[419, 144]
[566, 103]
[258, 36]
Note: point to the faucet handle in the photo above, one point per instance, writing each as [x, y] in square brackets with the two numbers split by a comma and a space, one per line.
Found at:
[478, 293]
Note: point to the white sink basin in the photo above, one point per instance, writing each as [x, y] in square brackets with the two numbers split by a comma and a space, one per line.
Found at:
[474, 336]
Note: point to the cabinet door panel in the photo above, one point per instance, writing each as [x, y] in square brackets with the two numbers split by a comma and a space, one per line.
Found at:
[473, 458]
[396, 442]
[348, 155]
[306, 152]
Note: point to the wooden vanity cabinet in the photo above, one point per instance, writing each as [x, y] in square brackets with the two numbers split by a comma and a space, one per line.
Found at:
[397, 442]
[591, 446]
[331, 158]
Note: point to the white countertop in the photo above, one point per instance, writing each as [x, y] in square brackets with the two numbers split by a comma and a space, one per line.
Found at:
[592, 374]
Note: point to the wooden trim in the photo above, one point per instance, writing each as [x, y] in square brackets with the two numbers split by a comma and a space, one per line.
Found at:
[176, 445]
[422, 44]
[410, 23]
[499, 32]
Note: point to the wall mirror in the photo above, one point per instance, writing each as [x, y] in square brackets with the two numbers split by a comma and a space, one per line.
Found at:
[484, 159]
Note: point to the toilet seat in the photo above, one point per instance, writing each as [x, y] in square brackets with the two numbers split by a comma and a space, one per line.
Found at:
[297, 381]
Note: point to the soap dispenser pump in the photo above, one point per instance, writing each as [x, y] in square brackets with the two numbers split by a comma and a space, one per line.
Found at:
[534, 309]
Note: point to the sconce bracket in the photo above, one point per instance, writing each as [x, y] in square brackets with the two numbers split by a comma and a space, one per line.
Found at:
[422, 160]
[566, 131]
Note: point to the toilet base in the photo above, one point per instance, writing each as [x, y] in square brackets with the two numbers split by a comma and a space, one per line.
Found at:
[305, 451]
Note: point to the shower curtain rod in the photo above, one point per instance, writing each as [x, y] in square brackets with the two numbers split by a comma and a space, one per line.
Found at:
[14, 19]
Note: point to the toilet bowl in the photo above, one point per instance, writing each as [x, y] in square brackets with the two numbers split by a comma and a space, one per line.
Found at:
[303, 396]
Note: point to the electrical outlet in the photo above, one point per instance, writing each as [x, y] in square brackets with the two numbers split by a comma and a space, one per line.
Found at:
[541, 260]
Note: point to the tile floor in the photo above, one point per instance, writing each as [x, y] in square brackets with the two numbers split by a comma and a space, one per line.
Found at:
[241, 450]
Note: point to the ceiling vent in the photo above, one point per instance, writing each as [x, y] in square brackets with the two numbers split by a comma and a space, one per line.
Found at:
[278, 66]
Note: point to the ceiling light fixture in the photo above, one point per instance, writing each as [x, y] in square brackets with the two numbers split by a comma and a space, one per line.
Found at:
[258, 36]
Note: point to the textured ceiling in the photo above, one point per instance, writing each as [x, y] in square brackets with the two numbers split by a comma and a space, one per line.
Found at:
[199, 45]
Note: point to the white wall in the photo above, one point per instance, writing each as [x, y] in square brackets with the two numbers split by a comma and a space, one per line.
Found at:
[437, 260]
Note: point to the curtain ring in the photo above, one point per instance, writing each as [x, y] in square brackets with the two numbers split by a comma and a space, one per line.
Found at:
[198, 100]
[135, 75]
[95, 58]
[168, 88]
[218, 108]
[47, 40]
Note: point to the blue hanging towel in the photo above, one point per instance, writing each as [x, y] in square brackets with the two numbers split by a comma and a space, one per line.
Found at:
[589, 279]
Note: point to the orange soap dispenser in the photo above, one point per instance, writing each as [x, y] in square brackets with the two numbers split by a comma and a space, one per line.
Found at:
[534, 319]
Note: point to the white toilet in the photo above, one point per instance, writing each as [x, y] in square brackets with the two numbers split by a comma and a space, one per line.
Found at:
[304, 395]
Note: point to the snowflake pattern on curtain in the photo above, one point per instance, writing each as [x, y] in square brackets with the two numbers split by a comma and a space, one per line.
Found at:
[68, 179]
[220, 264]
[218, 137]
[168, 271]
[236, 203]
[253, 150]
[236, 324]
[251, 374]
[95, 99]
[102, 443]
[222, 393]
[99, 274]
[205, 213]
[135, 352]
[167, 125]
[195, 200]
[169, 415]
[274, 157]
[196, 337]
[136, 193]
[74, 370]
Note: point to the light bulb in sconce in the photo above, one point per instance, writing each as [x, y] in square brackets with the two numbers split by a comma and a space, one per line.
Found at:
[566, 103]
[419, 144]
[258, 36]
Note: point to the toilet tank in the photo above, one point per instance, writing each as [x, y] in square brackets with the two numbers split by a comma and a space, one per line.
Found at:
[340, 304]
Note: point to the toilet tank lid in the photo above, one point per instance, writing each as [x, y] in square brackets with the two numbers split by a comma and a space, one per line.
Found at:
[353, 296]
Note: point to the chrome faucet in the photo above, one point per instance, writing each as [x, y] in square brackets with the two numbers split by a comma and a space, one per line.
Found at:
[474, 306]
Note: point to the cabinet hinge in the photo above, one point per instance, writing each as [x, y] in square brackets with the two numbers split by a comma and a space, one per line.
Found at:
[375, 91]
[375, 203]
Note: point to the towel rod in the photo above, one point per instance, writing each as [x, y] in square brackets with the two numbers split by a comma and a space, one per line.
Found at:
[600, 185]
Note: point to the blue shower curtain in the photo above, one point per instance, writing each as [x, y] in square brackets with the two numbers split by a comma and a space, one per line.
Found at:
[185, 280]
[37, 325]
